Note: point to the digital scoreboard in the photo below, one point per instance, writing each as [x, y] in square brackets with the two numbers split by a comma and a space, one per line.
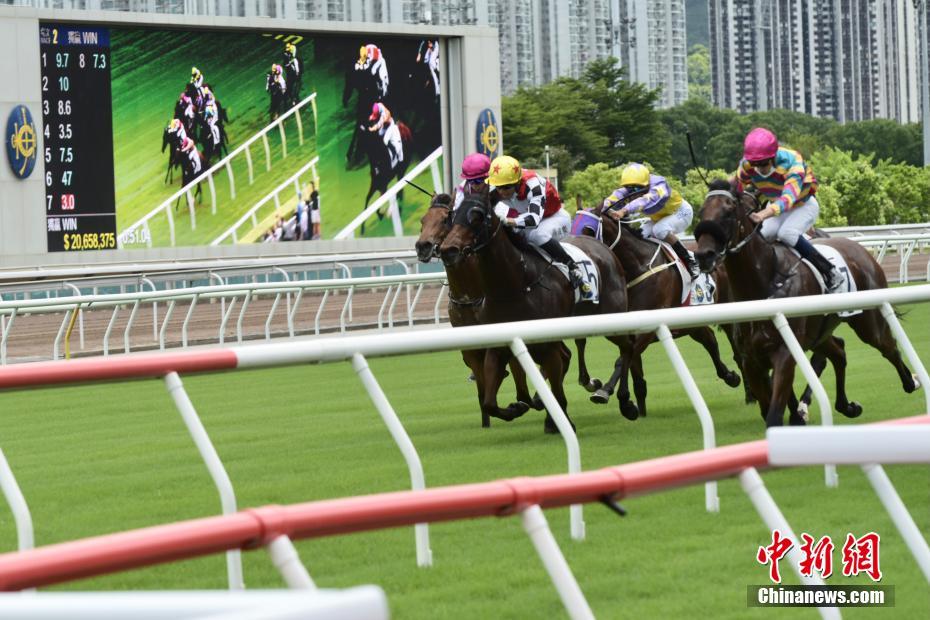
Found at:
[77, 139]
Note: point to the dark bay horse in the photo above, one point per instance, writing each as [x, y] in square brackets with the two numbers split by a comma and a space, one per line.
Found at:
[653, 283]
[521, 285]
[759, 270]
[381, 171]
[465, 299]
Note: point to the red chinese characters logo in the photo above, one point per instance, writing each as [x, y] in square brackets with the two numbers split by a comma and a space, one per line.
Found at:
[773, 553]
[860, 555]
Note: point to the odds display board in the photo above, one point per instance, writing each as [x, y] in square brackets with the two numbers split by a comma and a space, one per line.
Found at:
[258, 126]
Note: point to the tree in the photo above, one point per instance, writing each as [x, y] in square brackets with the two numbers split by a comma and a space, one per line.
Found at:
[599, 117]
[592, 185]
[861, 195]
[699, 85]
[694, 189]
[908, 190]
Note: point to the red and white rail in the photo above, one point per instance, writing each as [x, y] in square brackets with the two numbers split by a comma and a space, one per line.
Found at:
[513, 335]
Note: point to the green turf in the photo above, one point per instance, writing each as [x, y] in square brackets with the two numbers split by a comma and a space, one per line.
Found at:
[151, 67]
[95, 459]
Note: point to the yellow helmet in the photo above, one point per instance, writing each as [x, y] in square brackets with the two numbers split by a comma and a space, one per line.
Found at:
[505, 170]
[635, 174]
[290, 48]
[195, 71]
[362, 53]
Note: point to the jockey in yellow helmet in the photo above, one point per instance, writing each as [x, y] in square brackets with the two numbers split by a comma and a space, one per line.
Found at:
[529, 204]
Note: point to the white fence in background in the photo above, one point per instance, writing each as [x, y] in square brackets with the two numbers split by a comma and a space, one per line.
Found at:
[140, 229]
[411, 285]
[273, 196]
[390, 197]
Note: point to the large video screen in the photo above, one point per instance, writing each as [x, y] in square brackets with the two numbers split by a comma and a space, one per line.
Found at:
[157, 137]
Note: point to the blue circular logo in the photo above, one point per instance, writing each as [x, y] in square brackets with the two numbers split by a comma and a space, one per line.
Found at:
[21, 141]
[487, 135]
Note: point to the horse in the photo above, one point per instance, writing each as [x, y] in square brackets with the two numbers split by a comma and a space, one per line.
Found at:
[360, 81]
[465, 298]
[519, 285]
[760, 270]
[654, 283]
[169, 139]
[293, 80]
[381, 171]
[188, 174]
[277, 93]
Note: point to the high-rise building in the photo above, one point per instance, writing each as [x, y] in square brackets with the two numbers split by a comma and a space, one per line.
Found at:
[540, 40]
[652, 43]
[847, 59]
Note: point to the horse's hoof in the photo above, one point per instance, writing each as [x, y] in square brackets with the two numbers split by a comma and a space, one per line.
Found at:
[471, 377]
[600, 397]
[796, 421]
[853, 410]
[916, 381]
[518, 409]
[642, 411]
[538, 404]
[732, 379]
[803, 412]
[629, 410]
[380, 215]
[749, 398]
[593, 385]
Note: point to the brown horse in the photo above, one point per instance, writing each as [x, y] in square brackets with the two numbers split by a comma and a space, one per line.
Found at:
[759, 270]
[653, 283]
[465, 298]
[519, 284]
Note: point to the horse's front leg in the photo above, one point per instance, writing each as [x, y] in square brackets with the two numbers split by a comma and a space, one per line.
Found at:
[705, 336]
[554, 366]
[783, 365]
[494, 362]
[474, 359]
[584, 379]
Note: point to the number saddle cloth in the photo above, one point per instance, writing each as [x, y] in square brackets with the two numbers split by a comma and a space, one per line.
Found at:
[698, 291]
[590, 274]
[845, 283]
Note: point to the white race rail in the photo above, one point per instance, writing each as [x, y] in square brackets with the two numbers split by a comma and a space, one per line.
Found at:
[226, 162]
[512, 335]
[272, 195]
[390, 196]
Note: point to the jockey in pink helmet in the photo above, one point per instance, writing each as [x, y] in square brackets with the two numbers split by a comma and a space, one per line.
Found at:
[475, 168]
[786, 186]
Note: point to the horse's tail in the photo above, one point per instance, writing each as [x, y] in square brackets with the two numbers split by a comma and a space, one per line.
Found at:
[406, 135]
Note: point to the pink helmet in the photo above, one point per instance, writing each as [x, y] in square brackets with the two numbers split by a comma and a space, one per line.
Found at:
[476, 166]
[760, 144]
[375, 111]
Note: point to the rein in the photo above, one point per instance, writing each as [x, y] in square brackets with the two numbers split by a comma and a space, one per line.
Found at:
[739, 246]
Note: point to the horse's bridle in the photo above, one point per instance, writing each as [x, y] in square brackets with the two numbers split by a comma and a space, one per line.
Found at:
[727, 249]
[485, 211]
[449, 212]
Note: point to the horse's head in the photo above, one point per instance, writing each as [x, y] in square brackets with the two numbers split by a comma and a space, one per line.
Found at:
[434, 226]
[473, 226]
[722, 222]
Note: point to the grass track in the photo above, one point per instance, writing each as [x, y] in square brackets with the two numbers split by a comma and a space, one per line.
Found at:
[95, 459]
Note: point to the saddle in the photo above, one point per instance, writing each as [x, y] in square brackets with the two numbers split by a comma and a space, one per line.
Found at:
[589, 271]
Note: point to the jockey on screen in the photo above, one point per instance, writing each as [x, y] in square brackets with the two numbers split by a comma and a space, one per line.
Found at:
[276, 77]
[371, 59]
[197, 79]
[176, 127]
[384, 124]
[429, 55]
[188, 146]
[787, 187]
[527, 203]
[669, 214]
[475, 168]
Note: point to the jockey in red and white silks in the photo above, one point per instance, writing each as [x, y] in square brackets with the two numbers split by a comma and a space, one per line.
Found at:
[371, 59]
[188, 146]
[384, 124]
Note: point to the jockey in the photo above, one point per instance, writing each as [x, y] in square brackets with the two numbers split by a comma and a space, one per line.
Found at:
[371, 58]
[429, 55]
[188, 146]
[196, 78]
[276, 77]
[787, 188]
[533, 210]
[475, 168]
[384, 124]
[669, 214]
[187, 104]
[177, 127]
